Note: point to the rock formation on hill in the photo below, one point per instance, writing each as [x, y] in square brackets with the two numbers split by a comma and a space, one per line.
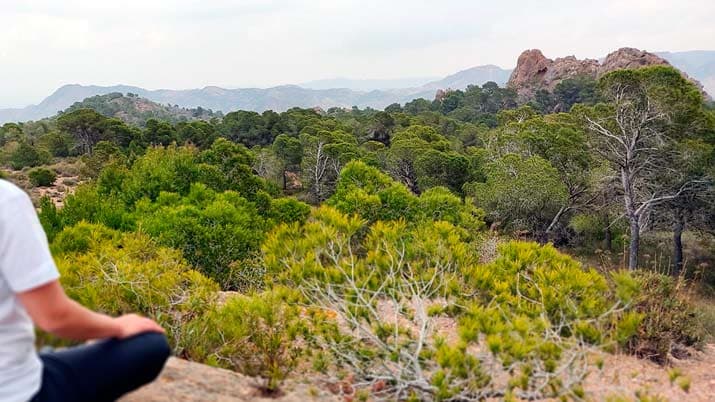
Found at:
[534, 71]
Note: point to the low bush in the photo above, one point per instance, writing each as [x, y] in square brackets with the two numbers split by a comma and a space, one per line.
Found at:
[670, 321]
[118, 273]
[214, 230]
[260, 335]
[288, 210]
[42, 177]
[526, 322]
[27, 155]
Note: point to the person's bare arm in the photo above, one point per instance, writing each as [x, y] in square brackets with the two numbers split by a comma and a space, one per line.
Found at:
[51, 309]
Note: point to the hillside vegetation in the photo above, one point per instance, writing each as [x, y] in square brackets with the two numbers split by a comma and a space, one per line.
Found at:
[465, 248]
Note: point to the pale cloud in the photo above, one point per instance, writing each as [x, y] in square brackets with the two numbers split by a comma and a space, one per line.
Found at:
[192, 43]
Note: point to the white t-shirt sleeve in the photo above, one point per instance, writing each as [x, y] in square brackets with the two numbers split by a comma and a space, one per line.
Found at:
[25, 259]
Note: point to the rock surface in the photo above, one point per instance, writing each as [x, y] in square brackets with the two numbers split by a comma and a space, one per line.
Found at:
[534, 71]
[625, 376]
[185, 381]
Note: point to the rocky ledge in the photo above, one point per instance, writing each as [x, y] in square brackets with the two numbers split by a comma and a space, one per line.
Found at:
[186, 381]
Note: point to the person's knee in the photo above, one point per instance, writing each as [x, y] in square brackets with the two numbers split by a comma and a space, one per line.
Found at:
[150, 348]
[156, 345]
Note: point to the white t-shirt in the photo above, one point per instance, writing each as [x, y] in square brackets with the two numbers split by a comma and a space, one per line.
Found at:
[25, 263]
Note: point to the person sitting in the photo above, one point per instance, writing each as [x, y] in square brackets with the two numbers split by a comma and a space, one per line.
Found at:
[132, 353]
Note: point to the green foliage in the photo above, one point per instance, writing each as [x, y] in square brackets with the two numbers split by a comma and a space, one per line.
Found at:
[392, 257]
[576, 90]
[260, 335]
[234, 162]
[439, 204]
[42, 177]
[519, 193]
[85, 204]
[533, 307]
[670, 320]
[57, 144]
[118, 273]
[137, 111]
[27, 155]
[365, 191]
[475, 104]
[104, 153]
[212, 229]
[87, 128]
[319, 248]
[170, 169]
[288, 210]
[557, 285]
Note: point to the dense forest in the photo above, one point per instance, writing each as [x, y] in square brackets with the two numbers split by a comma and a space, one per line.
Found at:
[583, 220]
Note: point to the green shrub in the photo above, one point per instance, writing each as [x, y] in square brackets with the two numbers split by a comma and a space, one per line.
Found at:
[214, 230]
[42, 177]
[118, 273]
[88, 204]
[525, 321]
[519, 193]
[256, 335]
[288, 210]
[670, 319]
[26, 155]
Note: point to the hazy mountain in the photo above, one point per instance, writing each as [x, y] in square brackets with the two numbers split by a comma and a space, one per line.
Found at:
[60, 100]
[220, 99]
[475, 75]
[340, 92]
[699, 64]
[367, 84]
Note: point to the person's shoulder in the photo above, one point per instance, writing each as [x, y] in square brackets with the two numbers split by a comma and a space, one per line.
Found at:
[11, 193]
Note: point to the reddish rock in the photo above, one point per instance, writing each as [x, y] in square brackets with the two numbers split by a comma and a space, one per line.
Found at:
[629, 58]
[534, 71]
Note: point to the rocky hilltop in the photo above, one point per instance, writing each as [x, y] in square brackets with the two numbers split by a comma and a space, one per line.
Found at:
[534, 71]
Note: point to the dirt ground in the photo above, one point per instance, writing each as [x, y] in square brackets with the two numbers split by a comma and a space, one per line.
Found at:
[626, 375]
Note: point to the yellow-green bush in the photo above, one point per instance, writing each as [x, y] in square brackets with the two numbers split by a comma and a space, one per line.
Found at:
[525, 320]
[260, 335]
[119, 273]
[331, 243]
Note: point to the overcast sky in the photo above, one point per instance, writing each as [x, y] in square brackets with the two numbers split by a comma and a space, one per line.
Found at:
[193, 43]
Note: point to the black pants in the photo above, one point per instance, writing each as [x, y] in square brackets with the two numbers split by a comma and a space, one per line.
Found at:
[103, 371]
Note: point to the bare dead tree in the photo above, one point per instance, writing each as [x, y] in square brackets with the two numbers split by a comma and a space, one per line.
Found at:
[633, 137]
[315, 165]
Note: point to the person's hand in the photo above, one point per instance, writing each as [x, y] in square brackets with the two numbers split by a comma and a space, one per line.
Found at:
[132, 324]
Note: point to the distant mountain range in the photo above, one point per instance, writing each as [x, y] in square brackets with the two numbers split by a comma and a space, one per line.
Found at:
[347, 93]
[367, 84]
[340, 92]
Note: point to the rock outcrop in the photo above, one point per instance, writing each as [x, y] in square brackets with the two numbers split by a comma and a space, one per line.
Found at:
[534, 71]
[630, 58]
[186, 381]
[183, 381]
